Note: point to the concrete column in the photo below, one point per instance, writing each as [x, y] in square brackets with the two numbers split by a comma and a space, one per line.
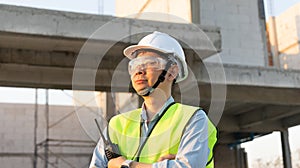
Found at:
[262, 23]
[224, 156]
[110, 105]
[241, 157]
[46, 147]
[286, 151]
[274, 42]
[235, 157]
[195, 11]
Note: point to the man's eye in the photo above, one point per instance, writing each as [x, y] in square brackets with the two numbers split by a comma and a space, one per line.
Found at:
[152, 63]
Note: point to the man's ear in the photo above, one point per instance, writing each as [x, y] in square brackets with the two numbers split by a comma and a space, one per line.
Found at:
[172, 72]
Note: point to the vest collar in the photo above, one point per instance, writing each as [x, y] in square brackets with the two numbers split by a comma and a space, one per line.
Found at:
[144, 116]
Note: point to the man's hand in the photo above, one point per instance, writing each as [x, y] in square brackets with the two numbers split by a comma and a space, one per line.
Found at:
[116, 162]
[169, 157]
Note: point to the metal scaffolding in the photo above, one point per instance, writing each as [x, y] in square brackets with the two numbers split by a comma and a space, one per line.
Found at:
[43, 150]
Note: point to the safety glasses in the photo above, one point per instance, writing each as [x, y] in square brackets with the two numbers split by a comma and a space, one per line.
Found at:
[145, 63]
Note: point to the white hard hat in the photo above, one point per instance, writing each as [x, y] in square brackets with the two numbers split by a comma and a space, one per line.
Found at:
[164, 43]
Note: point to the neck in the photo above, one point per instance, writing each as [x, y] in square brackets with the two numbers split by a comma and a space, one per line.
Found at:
[155, 101]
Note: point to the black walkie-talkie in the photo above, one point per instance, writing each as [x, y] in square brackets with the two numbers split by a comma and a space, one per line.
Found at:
[111, 150]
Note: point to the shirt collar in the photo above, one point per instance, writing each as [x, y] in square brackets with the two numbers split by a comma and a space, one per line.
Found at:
[144, 112]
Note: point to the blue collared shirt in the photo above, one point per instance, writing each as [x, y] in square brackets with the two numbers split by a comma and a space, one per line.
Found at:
[193, 149]
[147, 125]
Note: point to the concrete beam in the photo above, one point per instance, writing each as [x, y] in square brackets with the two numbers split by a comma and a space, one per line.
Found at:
[240, 108]
[266, 113]
[263, 95]
[235, 138]
[267, 126]
[57, 78]
[30, 28]
[291, 121]
[228, 123]
[253, 76]
[252, 94]
[26, 75]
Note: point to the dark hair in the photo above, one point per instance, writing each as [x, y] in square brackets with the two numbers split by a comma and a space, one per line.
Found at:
[143, 50]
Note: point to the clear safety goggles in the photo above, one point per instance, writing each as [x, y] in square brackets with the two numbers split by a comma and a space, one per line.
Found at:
[146, 63]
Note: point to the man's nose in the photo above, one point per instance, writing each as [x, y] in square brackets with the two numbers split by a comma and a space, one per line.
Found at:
[141, 71]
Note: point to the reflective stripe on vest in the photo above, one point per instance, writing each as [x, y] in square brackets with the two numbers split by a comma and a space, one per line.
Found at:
[124, 130]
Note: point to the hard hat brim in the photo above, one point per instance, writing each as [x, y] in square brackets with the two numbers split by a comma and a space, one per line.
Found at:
[128, 52]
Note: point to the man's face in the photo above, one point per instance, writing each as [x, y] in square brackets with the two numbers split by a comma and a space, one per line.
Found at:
[145, 70]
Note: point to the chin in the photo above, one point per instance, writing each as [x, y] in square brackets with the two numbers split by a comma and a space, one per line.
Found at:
[140, 89]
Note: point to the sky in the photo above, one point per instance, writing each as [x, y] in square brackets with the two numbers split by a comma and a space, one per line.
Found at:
[256, 149]
[83, 6]
[269, 147]
[275, 7]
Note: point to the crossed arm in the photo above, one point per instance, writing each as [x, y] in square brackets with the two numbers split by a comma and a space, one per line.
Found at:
[193, 149]
[116, 162]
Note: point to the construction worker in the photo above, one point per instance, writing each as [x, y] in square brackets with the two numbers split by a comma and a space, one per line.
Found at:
[161, 133]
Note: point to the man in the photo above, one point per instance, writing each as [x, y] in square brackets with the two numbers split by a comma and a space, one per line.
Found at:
[162, 133]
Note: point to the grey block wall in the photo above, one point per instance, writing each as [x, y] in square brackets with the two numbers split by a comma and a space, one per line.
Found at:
[17, 136]
[239, 23]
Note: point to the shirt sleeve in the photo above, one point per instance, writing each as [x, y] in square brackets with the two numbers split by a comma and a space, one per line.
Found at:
[193, 150]
[99, 159]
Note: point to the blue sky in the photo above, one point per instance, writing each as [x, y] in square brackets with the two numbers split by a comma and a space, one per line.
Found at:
[275, 7]
[87, 6]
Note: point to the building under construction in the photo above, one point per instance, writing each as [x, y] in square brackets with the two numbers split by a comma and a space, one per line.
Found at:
[45, 49]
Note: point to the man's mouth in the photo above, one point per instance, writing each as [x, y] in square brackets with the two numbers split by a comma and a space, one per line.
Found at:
[140, 81]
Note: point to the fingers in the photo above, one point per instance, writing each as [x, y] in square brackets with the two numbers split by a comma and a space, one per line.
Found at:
[167, 157]
[116, 162]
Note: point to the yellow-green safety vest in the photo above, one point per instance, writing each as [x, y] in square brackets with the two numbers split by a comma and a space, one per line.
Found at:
[124, 130]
